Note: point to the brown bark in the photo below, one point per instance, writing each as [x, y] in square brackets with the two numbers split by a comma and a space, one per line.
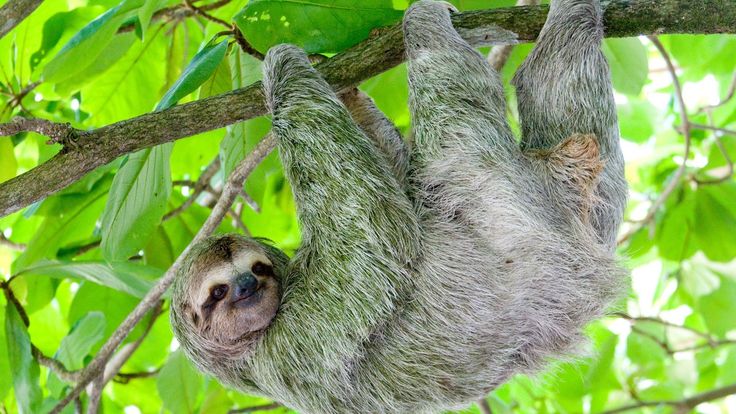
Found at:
[13, 12]
[382, 51]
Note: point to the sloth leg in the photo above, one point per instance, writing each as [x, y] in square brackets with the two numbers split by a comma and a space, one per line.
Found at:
[456, 99]
[564, 91]
[380, 130]
[346, 194]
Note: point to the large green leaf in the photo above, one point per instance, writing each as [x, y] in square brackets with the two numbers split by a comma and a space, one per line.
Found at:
[70, 217]
[6, 375]
[83, 48]
[83, 336]
[61, 26]
[637, 119]
[179, 378]
[132, 278]
[719, 307]
[675, 229]
[201, 68]
[627, 58]
[23, 366]
[715, 221]
[113, 304]
[318, 26]
[136, 203]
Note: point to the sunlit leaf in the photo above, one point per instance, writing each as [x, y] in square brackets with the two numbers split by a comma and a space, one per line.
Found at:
[179, 378]
[132, 278]
[202, 66]
[136, 203]
[317, 26]
[627, 58]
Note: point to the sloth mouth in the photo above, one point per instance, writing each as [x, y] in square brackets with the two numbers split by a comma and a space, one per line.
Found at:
[249, 299]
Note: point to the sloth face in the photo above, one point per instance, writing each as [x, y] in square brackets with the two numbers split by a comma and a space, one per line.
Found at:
[231, 291]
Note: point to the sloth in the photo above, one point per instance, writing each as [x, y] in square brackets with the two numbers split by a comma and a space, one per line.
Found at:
[431, 272]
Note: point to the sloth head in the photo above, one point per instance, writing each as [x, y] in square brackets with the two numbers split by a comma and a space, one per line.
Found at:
[225, 296]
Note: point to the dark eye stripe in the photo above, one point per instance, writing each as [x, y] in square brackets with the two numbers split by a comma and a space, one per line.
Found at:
[263, 269]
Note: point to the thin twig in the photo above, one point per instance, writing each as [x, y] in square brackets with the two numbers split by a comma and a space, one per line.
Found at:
[728, 97]
[199, 187]
[717, 132]
[54, 365]
[723, 131]
[117, 362]
[200, 12]
[95, 395]
[484, 407]
[215, 5]
[245, 46]
[125, 377]
[4, 241]
[229, 193]
[10, 296]
[684, 128]
[683, 405]
[255, 408]
[710, 341]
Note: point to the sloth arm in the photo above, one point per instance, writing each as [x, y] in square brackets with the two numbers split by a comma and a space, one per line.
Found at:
[359, 230]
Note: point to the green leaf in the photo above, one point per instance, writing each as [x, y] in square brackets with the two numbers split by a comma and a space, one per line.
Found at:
[6, 376]
[179, 378]
[9, 165]
[636, 119]
[113, 52]
[202, 66]
[718, 308]
[83, 48]
[136, 203]
[318, 26]
[219, 82]
[23, 366]
[60, 26]
[715, 221]
[629, 64]
[83, 336]
[675, 230]
[113, 304]
[145, 13]
[132, 278]
[71, 217]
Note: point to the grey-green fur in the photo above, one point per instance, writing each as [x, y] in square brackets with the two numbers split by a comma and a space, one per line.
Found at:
[428, 276]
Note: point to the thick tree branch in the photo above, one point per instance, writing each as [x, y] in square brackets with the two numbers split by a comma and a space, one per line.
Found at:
[367, 59]
[13, 12]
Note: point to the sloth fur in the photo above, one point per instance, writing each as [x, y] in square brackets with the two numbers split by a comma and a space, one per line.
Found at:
[428, 275]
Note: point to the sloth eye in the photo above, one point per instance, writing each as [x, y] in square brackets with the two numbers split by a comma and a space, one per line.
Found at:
[261, 269]
[218, 292]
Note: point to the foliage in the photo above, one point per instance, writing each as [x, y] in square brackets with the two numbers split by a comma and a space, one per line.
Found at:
[79, 260]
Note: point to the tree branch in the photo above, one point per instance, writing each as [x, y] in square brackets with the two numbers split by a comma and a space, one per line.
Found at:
[684, 405]
[685, 129]
[13, 12]
[367, 59]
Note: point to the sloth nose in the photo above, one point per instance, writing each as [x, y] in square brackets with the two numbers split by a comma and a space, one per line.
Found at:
[245, 285]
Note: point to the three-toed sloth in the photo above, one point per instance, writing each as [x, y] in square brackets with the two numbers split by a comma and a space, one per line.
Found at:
[430, 273]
